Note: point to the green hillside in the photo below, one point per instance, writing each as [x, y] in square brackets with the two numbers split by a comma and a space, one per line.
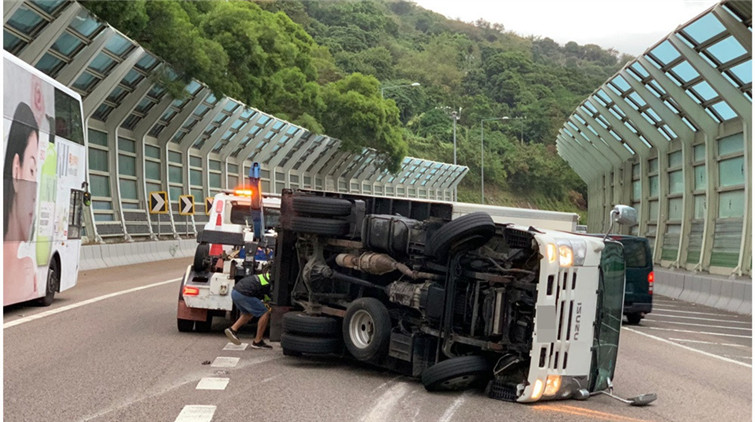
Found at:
[324, 65]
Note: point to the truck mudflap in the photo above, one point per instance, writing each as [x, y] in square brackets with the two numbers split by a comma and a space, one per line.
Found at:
[193, 314]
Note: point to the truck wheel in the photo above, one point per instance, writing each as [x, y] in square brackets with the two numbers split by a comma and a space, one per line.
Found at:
[294, 345]
[471, 230]
[185, 325]
[634, 319]
[321, 226]
[456, 373]
[53, 284]
[310, 325]
[367, 329]
[319, 205]
[201, 256]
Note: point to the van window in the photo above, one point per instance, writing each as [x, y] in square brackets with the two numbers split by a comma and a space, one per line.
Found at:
[635, 252]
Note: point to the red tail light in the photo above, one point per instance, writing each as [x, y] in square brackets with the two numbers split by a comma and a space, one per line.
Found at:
[651, 280]
[191, 291]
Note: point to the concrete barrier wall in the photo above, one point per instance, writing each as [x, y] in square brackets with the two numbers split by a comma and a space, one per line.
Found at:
[118, 254]
[729, 294]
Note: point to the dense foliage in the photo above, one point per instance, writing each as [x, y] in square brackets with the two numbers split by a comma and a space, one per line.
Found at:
[345, 68]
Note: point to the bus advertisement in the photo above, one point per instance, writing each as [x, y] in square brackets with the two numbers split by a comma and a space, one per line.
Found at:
[44, 184]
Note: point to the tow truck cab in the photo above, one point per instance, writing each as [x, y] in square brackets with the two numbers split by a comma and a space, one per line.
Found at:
[532, 314]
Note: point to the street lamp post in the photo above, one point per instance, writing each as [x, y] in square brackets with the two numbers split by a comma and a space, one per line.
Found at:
[455, 115]
[383, 88]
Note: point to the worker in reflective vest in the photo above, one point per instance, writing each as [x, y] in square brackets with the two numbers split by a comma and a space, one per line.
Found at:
[249, 296]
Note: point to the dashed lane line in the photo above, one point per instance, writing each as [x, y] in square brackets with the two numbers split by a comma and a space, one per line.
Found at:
[240, 347]
[225, 362]
[196, 413]
[213, 383]
[691, 349]
[80, 304]
[658, 308]
[696, 332]
[659, 314]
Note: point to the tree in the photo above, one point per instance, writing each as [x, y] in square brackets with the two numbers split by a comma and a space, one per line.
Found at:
[357, 116]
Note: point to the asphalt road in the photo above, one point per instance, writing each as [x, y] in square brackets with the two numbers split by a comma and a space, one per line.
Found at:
[109, 350]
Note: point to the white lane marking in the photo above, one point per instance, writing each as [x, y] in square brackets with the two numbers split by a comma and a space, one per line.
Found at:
[697, 332]
[231, 346]
[225, 362]
[82, 303]
[701, 319]
[691, 349]
[213, 383]
[196, 413]
[383, 409]
[739, 357]
[684, 340]
[700, 325]
[449, 413]
[658, 308]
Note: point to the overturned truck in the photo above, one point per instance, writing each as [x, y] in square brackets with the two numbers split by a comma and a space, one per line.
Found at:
[527, 314]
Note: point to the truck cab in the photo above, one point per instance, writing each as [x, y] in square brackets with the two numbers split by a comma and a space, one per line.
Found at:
[530, 314]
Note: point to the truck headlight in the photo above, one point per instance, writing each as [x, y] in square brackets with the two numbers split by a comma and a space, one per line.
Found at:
[561, 387]
[571, 252]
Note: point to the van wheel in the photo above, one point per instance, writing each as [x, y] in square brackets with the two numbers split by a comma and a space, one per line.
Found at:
[294, 345]
[470, 230]
[53, 284]
[310, 325]
[319, 205]
[321, 226]
[367, 329]
[456, 373]
[634, 319]
[185, 325]
[201, 257]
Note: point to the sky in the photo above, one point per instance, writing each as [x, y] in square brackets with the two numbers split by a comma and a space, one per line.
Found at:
[628, 26]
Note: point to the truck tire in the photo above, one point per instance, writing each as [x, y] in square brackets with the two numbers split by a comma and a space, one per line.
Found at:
[185, 325]
[471, 230]
[321, 226]
[367, 329]
[457, 373]
[321, 206]
[201, 256]
[53, 284]
[310, 325]
[294, 345]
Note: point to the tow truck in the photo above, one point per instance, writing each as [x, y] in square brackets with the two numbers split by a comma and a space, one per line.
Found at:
[231, 246]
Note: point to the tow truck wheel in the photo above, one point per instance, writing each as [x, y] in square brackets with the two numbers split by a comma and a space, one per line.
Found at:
[204, 326]
[185, 325]
[456, 373]
[310, 325]
[470, 230]
[367, 329]
[322, 206]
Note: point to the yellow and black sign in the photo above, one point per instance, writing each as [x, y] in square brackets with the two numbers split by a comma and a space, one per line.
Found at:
[158, 202]
[208, 204]
[186, 205]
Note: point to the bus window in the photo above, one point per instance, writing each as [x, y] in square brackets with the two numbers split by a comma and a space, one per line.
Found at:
[75, 214]
[68, 117]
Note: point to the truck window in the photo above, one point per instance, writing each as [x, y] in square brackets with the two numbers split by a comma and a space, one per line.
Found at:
[240, 213]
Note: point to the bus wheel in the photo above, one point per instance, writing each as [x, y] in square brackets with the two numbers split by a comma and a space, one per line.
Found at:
[53, 283]
[185, 325]
[456, 373]
[367, 329]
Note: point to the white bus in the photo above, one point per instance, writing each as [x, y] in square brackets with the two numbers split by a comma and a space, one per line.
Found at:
[44, 184]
